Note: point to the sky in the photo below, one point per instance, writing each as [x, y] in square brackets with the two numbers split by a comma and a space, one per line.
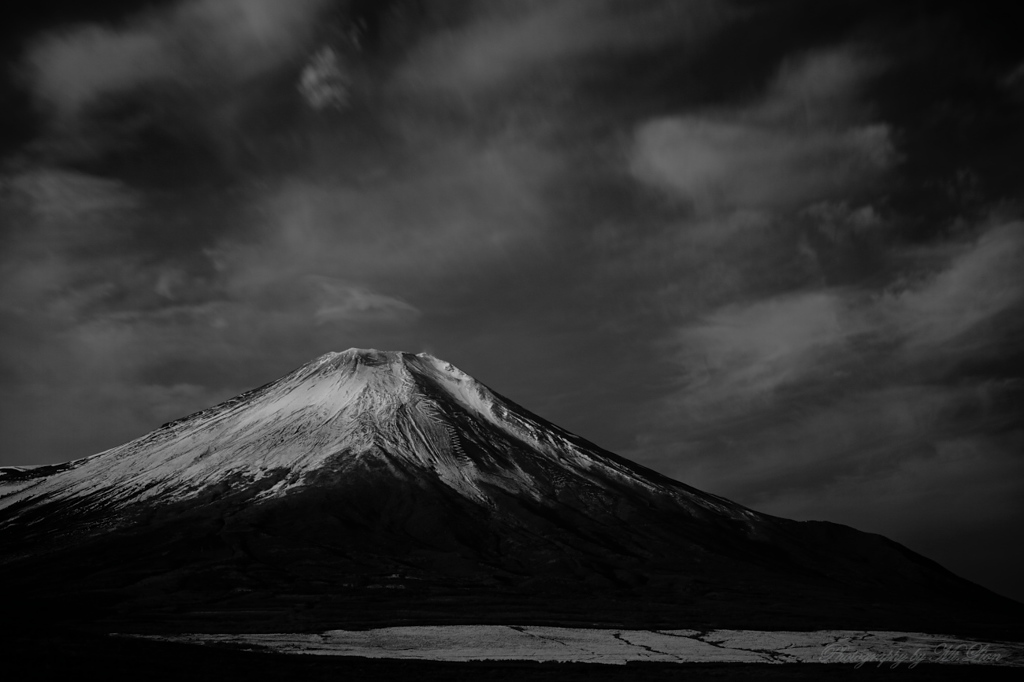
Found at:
[772, 249]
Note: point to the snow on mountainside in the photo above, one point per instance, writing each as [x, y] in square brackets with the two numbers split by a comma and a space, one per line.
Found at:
[369, 488]
[410, 411]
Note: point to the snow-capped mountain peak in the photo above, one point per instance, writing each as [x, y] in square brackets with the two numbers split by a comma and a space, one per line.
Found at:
[347, 412]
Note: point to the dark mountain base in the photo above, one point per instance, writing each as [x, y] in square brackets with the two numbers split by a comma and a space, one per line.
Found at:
[304, 570]
[306, 566]
[139, 611]
[54, 656]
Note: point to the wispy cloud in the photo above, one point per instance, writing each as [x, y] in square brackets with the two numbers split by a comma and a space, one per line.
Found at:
[57, 226]
[840, 222]
[745, 352]
[193, 72]
[980, 283]
[342, 302]
[802, 142]
[725, 164]
[191, 42]
[467, 204]
[506, 41]
[70, 71]
[61, 194]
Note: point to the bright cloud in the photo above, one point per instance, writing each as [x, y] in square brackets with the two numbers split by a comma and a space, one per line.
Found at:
[747, 351]
[191, 42]
[981, 282]
[729, 164]
[60, 194]
[797, 145]
[509, 40]
[71, 70]
[468, 204]
[342, 302]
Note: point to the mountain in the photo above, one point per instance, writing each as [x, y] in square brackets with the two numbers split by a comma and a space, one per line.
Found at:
[370, 488]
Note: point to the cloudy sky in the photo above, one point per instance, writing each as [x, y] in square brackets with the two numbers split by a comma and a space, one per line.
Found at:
[769, 248]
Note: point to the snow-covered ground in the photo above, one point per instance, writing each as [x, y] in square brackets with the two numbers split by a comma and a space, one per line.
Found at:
[532, 643]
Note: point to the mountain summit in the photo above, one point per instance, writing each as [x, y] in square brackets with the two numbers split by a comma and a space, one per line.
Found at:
[351, 414]
[373, 487]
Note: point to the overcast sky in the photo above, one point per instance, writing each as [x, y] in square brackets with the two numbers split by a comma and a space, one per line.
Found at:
[771, 249]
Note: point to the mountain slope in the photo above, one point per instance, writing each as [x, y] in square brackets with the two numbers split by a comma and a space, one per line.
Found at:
[372, 487]
[401, 410]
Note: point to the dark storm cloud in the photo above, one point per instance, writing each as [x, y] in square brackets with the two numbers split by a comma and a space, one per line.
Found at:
[762, 247]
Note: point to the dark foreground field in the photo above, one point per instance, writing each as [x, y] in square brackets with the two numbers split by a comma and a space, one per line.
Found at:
[54, 656]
